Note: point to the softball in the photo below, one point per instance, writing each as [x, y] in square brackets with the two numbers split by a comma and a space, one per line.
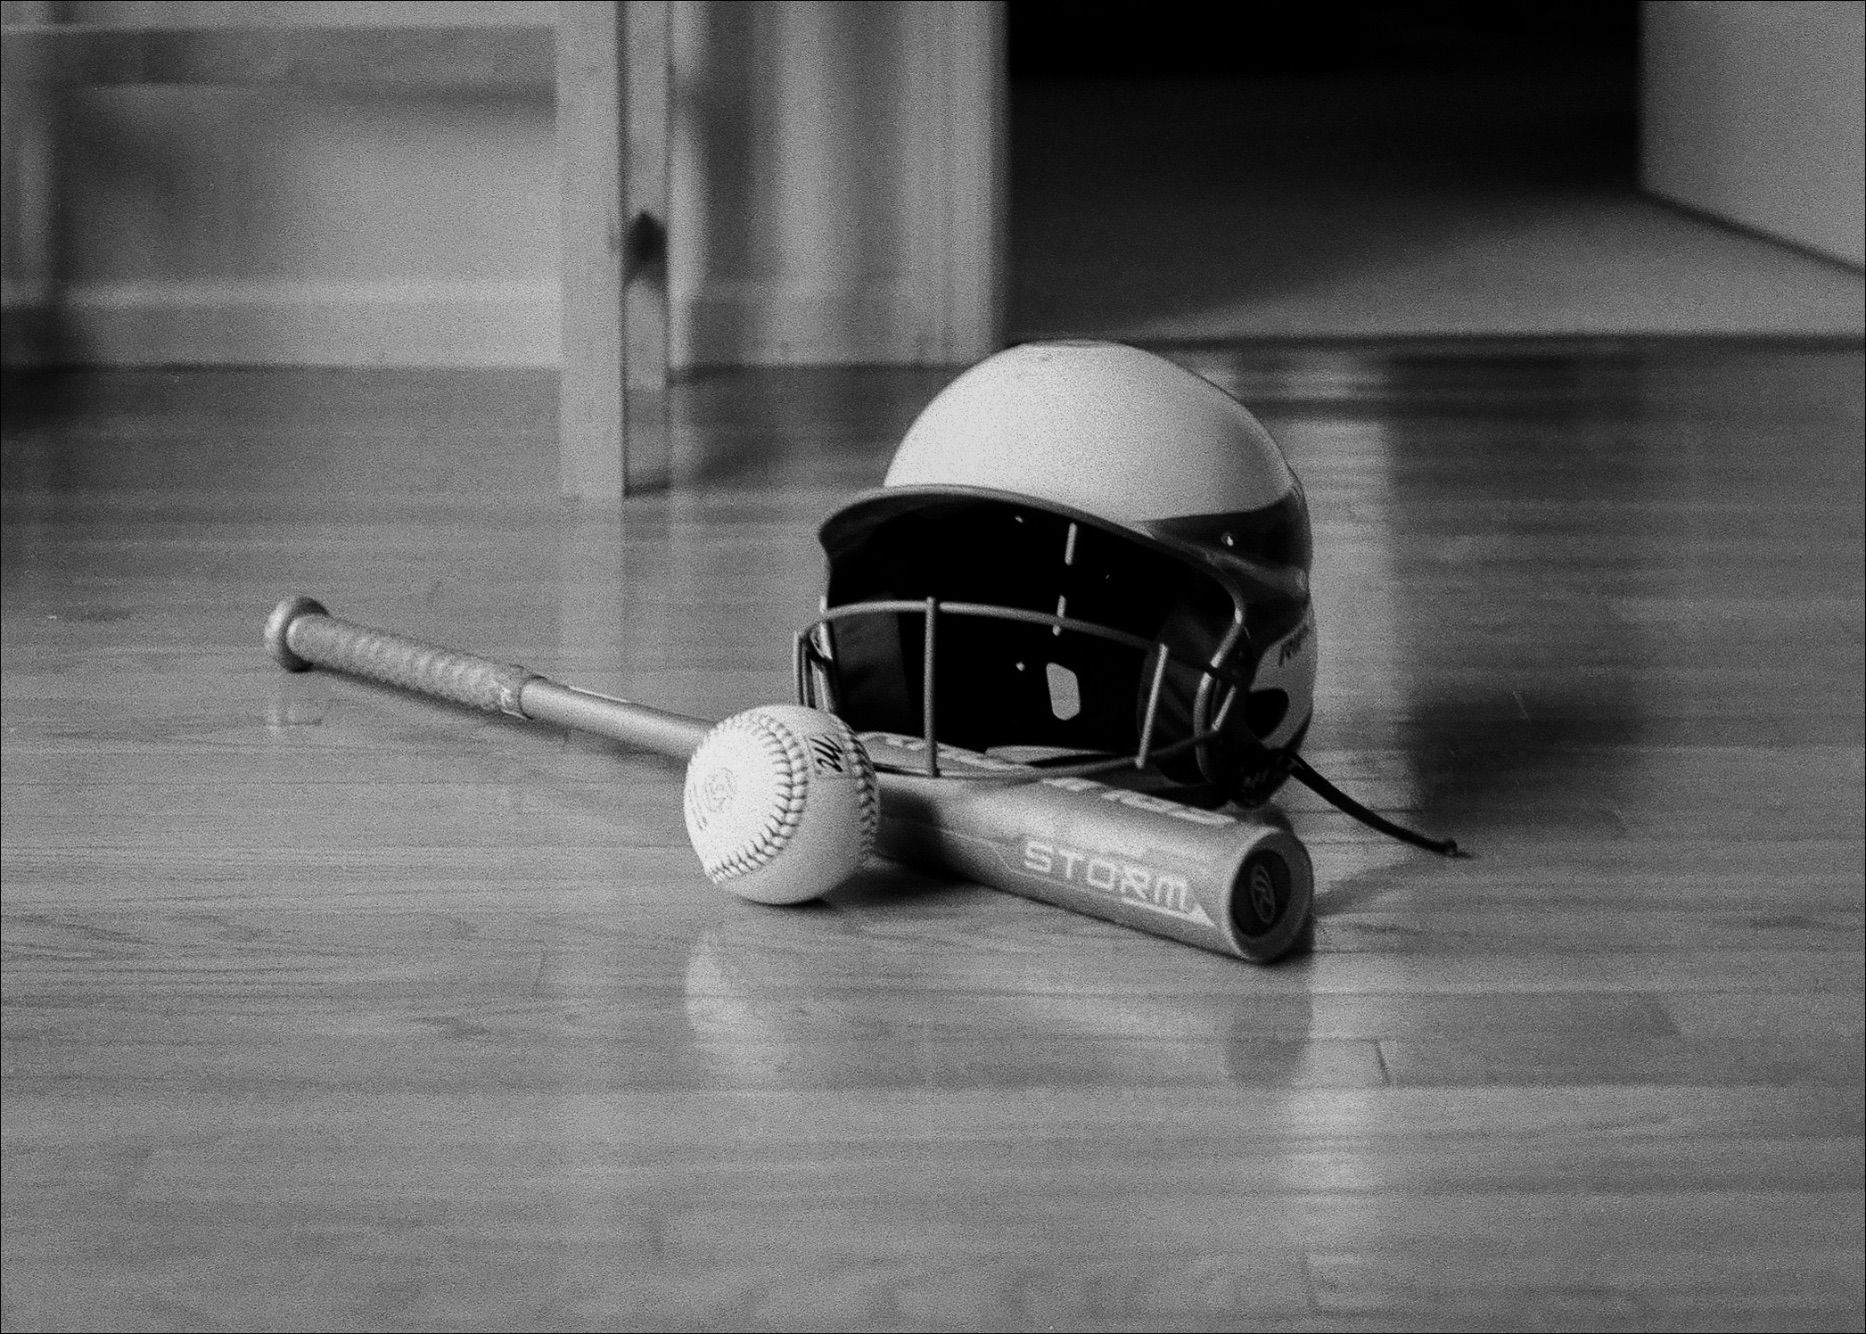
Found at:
[782, 803]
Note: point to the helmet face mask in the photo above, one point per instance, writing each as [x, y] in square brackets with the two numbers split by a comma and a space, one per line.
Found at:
[1021, 623]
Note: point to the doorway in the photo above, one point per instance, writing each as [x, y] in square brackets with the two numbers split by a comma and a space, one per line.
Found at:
[1361, 169]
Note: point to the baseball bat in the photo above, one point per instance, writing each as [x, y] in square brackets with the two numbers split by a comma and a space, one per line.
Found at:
[1237, 885]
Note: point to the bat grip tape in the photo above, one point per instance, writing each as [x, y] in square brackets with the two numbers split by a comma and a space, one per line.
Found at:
[312, 637]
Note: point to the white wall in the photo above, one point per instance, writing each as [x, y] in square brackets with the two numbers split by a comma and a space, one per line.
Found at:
[831, 199]
[207, 225]
[830, 182]
[1752, 112]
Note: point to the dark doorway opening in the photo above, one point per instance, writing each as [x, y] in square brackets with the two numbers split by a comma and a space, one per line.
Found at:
[1195, 171]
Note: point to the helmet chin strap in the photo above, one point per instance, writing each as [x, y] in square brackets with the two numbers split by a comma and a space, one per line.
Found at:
[1302, 772]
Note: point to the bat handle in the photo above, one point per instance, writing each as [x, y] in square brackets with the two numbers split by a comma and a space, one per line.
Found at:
[301, 634]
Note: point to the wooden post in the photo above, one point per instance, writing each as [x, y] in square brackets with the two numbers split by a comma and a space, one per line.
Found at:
[612, 155]
[649, 33]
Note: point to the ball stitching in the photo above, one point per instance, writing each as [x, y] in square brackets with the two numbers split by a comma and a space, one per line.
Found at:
[870, 785]
[787, 754]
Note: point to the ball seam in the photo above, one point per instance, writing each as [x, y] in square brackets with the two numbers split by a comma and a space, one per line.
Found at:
[787, 752]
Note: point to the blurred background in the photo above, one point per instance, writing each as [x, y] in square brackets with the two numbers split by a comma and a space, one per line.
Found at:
[920, 182]
[1398, 169]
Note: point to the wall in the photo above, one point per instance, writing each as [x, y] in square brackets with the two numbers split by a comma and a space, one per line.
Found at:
[835, 182]
[1752, 113]
[833, 200]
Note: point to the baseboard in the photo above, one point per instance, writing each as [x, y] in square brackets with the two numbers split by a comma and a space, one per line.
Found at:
[1851, 259]
[798, 324]
[883, 323]
[490, 324]
[285, 324]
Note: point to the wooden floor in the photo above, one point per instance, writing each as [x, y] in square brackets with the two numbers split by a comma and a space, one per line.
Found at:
[325, 1008]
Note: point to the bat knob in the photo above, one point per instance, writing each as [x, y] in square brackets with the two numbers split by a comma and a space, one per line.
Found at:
[280, 622]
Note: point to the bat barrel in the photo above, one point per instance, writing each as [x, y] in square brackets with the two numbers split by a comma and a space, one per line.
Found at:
[1235, 884]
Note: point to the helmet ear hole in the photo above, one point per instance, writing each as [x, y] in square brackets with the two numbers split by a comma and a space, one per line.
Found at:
[1264, 711]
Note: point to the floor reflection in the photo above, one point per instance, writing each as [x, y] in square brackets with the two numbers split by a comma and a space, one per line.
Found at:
[967, 989]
